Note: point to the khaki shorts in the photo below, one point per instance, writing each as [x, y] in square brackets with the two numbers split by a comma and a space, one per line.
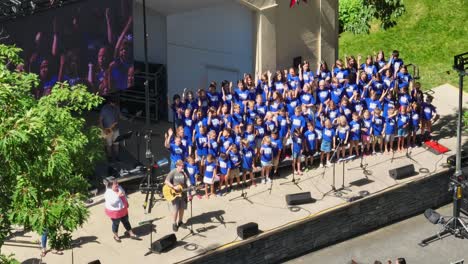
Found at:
[378, 139]
[111, 138]
[233, 173]
[275, 161]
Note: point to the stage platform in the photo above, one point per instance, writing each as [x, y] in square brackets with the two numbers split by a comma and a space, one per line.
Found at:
[215, 220]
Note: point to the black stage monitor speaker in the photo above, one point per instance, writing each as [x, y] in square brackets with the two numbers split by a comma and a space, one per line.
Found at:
[165, 243]
[451, 160]
[247, 230]
[402, 172]
[299, 198]
[95, 262]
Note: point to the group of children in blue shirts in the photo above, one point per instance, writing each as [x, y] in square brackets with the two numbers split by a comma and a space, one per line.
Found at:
[354, 109]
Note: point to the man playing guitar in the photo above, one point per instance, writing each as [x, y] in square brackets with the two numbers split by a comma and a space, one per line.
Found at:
[109, 123]
[177, 180]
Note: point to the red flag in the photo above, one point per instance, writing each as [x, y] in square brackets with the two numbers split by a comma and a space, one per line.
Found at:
[293, 3]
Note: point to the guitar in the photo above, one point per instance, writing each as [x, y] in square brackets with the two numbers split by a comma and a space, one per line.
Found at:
[171, 194]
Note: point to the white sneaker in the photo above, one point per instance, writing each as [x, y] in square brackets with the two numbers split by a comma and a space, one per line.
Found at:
[321, 165]
[373, 153]
[268, 180]
[263, 181]
[329, 164]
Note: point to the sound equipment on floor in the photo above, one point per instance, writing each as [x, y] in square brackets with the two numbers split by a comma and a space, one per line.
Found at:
[165, 243]
[451, 160]
[247, 230]
[95, 262]
[299, 198]
[402, 172]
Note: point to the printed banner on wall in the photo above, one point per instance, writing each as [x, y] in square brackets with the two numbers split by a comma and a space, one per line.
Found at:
[88, 42]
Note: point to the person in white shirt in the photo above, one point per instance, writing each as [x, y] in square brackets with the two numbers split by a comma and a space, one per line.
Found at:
[116, 207]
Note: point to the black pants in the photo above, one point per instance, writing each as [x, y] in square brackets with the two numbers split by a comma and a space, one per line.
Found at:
[125, 222]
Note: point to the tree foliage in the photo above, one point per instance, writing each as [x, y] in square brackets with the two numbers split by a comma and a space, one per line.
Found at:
[45, 152]
[355, 15]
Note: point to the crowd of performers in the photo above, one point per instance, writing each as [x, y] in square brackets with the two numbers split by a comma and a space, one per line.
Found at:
[354, 108]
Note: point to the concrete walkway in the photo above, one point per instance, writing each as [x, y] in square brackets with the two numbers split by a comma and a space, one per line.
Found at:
[215, 219]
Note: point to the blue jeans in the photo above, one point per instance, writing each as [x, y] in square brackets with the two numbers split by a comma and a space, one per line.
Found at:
[125, 222]
[44, 239]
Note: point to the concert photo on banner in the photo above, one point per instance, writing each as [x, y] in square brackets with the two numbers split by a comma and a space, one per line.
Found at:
[90, 43]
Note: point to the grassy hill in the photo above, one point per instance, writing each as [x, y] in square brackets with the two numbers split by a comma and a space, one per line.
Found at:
[429, 34]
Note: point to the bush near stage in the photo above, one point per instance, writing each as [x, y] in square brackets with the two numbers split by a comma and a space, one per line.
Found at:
[45, 153]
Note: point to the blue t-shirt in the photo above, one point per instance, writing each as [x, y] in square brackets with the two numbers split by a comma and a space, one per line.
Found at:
[415, 120]
[279, 86]
[337, 94]
[283, 126]
[177, 152]
[373, 104]
[347, 112]
[307, 77]
[294, 82]
[213, 147]
[214, 99]
[297, 144]
[355, 131]
[403, 119]
[307, 98]
[260, 131]
[251, 138]
[341, 132]
[428, 111]
[209, 169]
[202, 144]
[247, 158]
[277, 145]
[377, 125]
[291, 104]
[328, 134]
[297, 122]
[266, 153]
[367, 123]
[390, 125]
[223, 166]
[192, 171]
[225, 142]
[333, 114]
[350, 88]
[311, 139]
[261, 110]
[235, 160]
[369, 69]
[404, 100]
[323, 95]
[270, 126]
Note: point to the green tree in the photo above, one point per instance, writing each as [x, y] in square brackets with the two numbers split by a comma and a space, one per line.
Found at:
[45, 152]
[355, 15]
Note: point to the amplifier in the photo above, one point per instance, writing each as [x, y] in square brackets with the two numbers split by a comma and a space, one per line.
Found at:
[452, 159]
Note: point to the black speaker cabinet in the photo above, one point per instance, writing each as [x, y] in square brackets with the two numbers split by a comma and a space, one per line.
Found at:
[464, 202]
[402, 172]
[165, 243]
[451, 160]
[299, 198]
[247, 230]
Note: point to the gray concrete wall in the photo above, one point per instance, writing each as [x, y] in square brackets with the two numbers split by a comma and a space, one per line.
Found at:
[339, 224]
[297, 33]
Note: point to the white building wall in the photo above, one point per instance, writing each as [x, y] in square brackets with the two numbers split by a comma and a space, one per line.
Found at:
[157, 39]
[215, 41]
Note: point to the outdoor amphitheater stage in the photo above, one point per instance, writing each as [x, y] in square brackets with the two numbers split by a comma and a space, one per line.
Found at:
[215, 220]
